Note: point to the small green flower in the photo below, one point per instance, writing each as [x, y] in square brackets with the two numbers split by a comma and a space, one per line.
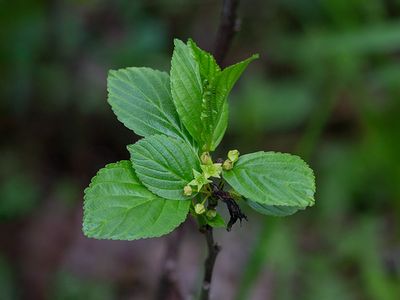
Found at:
[199, 208]
[213, 170]
[205, 158]
[199, 180]
[187, 190]
[233, 155]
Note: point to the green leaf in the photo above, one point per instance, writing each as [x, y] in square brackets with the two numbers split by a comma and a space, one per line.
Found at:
[164, 165]
[211, 110]
[216, 222]
[142, 101]
[230, 75]
[186, 88]
[273, 210]
[200, 90]
[224, 84]
[271, 178]
[221, 126]
[208, 67]
[117, 206]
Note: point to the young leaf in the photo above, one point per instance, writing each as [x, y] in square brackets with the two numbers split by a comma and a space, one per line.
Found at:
[208, 67]
[186, 88]
[164, 165]
[271, 178]
[273, 210]
[216, 222]
[200, 90]
[142, 101]
[221, 126]
[217, 85]
[224, 84]
[211, 112]
[117, 206]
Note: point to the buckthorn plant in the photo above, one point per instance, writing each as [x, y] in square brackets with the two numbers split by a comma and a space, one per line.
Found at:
[182, 117]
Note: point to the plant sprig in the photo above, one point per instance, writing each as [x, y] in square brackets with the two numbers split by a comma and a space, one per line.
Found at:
[182, 117]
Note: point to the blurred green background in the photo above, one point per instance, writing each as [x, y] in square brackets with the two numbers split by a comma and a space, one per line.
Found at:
[327, 87]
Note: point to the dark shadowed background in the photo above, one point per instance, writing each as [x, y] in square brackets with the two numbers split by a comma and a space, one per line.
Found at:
[327, 87]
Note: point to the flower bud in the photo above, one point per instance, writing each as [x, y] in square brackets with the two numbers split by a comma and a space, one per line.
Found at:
[233, 155]
[199, 208]
[187, 190]
[211, 213]
[205, 158]
[227, 165]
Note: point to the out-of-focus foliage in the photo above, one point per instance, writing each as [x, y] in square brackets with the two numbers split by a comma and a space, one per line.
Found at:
[70, 287]
[7, 284]
[327, 87]
[19, 191]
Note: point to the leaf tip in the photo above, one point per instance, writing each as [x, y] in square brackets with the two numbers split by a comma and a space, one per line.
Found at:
[178, 42]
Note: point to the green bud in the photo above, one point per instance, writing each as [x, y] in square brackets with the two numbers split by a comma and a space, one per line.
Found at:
[205, 158]
[233, 155]
[187, 190]
[211, 213]
[199, 208]
[227, 165]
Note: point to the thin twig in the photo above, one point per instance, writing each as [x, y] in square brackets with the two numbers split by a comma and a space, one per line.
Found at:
[168, 287]
[228, 26]
[213, 250]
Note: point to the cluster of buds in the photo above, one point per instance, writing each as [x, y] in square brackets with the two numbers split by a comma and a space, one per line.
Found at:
[200, 209]
[233, 156]
[209, 169]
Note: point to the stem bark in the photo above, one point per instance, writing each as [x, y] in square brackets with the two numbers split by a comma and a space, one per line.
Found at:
[228, 26]
[213, 250]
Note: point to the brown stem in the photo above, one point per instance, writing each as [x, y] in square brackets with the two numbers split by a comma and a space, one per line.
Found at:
[228, 26]
[213, 250]
[167, 287]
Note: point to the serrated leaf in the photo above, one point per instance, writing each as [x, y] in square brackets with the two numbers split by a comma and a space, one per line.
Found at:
[208, 67]
[231, 74]
[221, 126]
[200, 90]
[224, 84]
[272, 178]
[211, 110]
[117, 206]
[142, 101]
[186, 88]
[273, 210]
[164, 165]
